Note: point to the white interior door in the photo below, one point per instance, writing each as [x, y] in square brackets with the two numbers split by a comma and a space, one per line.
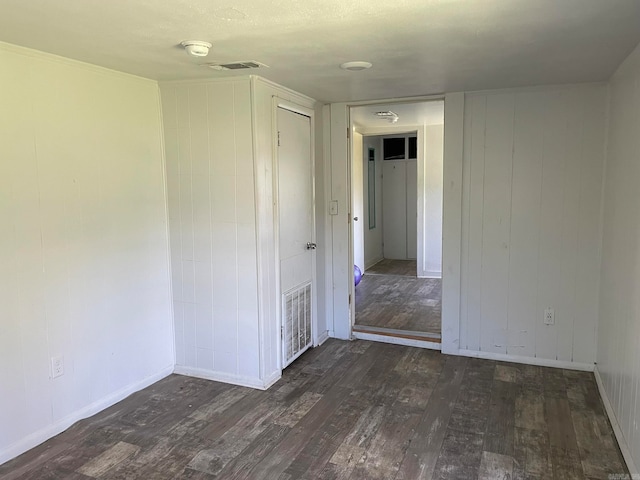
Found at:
[412, 209]
[394, 209]
[358, 201]
[296, 243]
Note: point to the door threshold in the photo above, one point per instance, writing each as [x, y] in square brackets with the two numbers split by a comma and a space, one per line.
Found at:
[399, 337]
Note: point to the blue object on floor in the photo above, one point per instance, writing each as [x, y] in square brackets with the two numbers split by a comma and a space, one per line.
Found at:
[357, 274]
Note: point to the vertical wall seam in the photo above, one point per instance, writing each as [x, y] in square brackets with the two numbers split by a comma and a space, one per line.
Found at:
[235, 174]
[484, 159]
[508, 279]
[579, 239]
[211, 233]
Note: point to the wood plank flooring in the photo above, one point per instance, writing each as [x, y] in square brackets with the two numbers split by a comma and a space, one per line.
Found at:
[347, 410]
[391, 296]
[387, 266]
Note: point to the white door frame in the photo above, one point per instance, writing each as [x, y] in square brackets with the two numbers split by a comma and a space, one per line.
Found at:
[452, 214]
[307, 112]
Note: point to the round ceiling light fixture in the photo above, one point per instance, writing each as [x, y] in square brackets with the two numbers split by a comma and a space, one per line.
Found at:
[196, 48]
[355, 66]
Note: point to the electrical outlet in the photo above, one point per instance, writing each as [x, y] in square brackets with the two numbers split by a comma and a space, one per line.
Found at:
[549, 316]
[57, 366]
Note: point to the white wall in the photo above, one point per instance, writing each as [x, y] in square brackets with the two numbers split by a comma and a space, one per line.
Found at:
[340, 277]
[533, 167]
[433, 171]
[219, 147]
[84, 270]
[619, 324]
[373, 236]
[452, 182]
[212, 219]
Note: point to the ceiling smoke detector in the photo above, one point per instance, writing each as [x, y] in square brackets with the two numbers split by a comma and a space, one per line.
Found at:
[355, 66]
[392, 117]
[196, 48]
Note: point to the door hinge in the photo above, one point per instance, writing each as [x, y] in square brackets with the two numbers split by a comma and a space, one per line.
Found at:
[349, 299]
[278, 137]
[348, 132]
[282, 333]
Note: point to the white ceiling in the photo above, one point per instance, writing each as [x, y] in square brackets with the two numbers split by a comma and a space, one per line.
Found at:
[418, 47]
[409, 115]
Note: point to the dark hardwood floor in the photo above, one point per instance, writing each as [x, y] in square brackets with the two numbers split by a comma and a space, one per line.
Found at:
[387, 266]
[390, 296]
[347, 410]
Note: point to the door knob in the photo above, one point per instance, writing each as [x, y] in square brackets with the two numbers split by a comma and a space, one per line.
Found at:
[311, 246]
[355, 219]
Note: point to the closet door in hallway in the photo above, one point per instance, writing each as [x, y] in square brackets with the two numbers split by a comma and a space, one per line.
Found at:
[399, 209]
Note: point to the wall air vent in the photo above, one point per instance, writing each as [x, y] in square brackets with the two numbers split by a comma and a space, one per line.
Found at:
[236, 65]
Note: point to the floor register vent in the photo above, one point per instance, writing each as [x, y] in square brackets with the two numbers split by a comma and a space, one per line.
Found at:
[296, 312]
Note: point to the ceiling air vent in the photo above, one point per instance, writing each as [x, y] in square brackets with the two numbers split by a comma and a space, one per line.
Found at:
[236, 65]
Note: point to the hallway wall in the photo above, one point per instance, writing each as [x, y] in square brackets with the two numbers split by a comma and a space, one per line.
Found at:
[372, 236]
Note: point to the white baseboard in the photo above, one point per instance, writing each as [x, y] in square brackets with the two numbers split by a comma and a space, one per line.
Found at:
[271, 379]
[622, 442]
[250, 382]
[368, 265]
[332, 334]
[542, 362]
[61, 425]
[429, 274]
[323, 337]
[408, 342]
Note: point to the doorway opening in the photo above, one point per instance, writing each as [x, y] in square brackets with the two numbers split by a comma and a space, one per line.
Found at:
[397, 195]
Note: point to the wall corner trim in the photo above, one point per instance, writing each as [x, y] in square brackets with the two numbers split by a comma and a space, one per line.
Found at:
[63, 424]
[622, 442]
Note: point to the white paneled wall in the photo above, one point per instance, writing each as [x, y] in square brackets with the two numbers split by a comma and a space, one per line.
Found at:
[84, 270]
[219, 147]
[433, 171]
[210, 176]
[533, 166]
[619, 325]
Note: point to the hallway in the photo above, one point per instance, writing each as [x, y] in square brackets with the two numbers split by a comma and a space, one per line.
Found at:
[391, 296]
